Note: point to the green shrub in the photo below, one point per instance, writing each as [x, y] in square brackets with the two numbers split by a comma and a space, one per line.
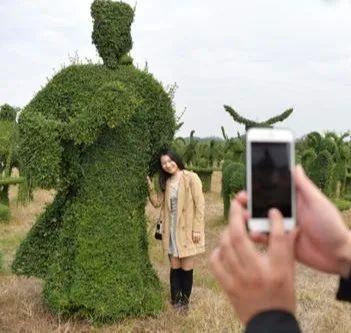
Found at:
[326, 158]
[93, 133]
[320, 169]
[233, 181]
[4, 213]
[8, 150]
[7, 112]
[342, 204]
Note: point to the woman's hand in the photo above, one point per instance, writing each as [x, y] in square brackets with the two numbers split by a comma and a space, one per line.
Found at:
[150, 185]
[196, 237]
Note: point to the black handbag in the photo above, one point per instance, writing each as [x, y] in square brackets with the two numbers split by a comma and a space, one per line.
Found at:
[158, 232]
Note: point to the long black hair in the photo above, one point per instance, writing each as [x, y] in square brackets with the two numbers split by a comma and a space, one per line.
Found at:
[163, 175]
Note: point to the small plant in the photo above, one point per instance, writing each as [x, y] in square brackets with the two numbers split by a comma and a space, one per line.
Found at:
[233, 181]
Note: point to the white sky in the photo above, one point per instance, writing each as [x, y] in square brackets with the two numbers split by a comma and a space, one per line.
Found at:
[260, 57]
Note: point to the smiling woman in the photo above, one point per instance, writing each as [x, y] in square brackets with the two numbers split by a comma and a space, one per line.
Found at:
[182, 210]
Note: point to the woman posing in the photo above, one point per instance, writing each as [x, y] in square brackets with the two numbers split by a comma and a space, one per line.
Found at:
[182, 206]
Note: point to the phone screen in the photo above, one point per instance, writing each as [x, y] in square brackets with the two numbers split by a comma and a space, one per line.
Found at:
[271, 178]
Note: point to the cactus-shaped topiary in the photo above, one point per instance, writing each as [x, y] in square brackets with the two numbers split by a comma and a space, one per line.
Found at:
[8, 112]
[251, 123]
[190, 150]
[8, 157]
[326, 160]
[93, 133]
[233, 181]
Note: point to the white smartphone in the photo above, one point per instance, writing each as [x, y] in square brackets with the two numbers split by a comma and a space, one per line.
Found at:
[270, 157]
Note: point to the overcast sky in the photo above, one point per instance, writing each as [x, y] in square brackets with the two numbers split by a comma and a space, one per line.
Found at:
[260, 57]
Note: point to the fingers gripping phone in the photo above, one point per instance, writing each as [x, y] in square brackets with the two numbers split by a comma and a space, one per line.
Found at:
[270, 157]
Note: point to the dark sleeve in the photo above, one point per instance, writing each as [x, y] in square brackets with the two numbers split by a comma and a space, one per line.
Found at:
[274, 321]
[344, 291]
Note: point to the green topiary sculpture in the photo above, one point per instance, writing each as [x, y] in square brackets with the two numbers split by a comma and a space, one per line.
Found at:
[233, 181]
[251, 123]
[93, 133]
[8, 157]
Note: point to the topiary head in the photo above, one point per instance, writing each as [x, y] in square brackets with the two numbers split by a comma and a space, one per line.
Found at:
[111, 32]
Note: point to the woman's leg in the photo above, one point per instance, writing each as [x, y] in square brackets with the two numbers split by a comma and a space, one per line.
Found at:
[175, 280]
[187, 264]
[175, 262]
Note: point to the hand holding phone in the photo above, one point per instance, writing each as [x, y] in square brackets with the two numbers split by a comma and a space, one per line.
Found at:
[269, 163]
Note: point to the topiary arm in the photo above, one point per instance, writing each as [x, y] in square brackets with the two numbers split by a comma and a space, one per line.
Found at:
[240, 119]
[225, 136]
[40, 149]
[281, 117]
[112, 105]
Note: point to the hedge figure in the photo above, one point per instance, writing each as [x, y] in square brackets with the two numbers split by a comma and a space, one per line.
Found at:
[326, 160]
[251, 123]
[93, 133]
[8, 156]
[233, 181]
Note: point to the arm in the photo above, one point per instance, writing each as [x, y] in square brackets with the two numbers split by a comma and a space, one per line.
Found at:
[199, 202]
[155, 198]
[112, 105]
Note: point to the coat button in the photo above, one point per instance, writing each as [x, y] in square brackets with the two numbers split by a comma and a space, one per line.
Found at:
[185, 245]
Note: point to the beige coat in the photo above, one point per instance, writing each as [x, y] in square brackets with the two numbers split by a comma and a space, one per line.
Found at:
[190, 215]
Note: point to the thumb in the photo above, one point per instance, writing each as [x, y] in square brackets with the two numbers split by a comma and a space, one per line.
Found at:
[305, 187]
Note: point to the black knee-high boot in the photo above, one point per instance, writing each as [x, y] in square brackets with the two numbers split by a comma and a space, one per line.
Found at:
[176, 287]
[187, 285]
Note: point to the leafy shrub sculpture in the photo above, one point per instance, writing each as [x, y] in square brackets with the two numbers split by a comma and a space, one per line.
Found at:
[251, 123]
[93, 134]
[7, 112]
[8, 156]
[326, 160]
[233, 181]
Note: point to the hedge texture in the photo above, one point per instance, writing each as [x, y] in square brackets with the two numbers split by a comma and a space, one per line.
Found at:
[8, 112]
[93, 133]
[4, 213]
[233, 181]
[111, 34]
[327, 159]
[8, 156]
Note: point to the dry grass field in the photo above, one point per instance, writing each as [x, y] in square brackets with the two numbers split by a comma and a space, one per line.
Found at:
[22, 310]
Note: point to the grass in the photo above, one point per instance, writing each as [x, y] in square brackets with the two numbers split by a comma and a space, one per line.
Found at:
[22, 310]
